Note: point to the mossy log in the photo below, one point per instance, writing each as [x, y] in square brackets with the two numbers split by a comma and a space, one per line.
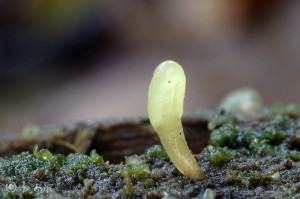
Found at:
[257, 157]
[113, 139]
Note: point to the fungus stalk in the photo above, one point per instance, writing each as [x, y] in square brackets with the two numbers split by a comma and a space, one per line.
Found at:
[165, 108]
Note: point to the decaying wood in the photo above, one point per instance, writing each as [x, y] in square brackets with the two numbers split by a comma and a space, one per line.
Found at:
[113, 139]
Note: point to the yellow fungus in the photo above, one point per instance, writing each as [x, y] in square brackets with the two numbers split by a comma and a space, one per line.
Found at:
[165, 107]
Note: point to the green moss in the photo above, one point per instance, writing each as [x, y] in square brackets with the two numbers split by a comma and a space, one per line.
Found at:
[44, 154]
[78, 161]
[137, 167]
[257, 159]
[261, 147]
[235, 136]
[19, 169]
[267, 139]
[217, 155]
[297, 136]
[156, 150]
[140, 172]
[225, 136]
[294, 155]
[64, 172]
[222, 117]
[95, 158]
[273, 135]
[20, 166]
[283, 122]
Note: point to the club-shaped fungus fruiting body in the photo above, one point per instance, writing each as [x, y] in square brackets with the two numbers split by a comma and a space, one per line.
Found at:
[165, 107]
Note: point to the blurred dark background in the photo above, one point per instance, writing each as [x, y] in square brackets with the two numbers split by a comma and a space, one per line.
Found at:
[68, 60]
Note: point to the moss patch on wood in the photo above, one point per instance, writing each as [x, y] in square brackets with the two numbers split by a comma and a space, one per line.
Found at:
[257, 158]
